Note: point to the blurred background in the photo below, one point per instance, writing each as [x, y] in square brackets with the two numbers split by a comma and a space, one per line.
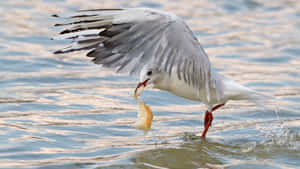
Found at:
[62, 111]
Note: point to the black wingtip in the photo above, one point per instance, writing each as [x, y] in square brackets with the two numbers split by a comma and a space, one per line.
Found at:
[65, 31]
[58, 52]
[58, 24]
[105, 9]
[90, 53]
[55, 15]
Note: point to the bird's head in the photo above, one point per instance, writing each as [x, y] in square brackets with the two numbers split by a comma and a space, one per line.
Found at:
[148, 76]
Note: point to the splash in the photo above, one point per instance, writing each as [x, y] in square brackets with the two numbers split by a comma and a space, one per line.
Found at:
[282, 137]
[274, 137]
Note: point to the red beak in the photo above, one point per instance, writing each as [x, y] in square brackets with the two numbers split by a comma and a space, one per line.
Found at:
[141, 84]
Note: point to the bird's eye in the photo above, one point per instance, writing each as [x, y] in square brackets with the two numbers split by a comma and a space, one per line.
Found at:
[149, 73]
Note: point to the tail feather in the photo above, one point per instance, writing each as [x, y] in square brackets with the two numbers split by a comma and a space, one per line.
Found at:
[236, 91]
[260, 98]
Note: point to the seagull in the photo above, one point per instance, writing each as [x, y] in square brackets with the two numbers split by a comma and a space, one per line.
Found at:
[158, 47]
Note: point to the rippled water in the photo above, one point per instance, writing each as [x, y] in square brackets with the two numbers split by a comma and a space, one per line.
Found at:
[62, 111]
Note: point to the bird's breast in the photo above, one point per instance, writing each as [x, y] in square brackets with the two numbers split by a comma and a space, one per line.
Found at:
[178, 88]
[184, 90]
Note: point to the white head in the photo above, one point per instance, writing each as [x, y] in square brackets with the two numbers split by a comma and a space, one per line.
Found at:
[148, 76]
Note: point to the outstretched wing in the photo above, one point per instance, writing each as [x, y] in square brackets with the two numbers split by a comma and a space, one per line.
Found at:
[127, 39]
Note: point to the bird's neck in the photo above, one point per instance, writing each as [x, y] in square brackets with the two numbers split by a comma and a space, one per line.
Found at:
[162, 82]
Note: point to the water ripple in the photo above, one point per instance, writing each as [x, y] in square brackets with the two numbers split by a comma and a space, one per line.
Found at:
[62, 111]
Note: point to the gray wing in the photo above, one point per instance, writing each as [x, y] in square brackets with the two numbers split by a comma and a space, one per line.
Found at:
[127, 39]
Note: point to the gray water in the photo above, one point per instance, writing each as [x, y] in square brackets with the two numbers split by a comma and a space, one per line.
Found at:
[62, 111]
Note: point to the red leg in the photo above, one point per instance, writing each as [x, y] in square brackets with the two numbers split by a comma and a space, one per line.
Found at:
[208, 118]
[217, 106]
[207, 122]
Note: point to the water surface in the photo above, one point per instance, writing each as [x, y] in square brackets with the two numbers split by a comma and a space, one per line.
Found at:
[62, 111]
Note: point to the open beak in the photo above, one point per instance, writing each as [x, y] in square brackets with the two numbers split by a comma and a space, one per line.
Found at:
[140, 88]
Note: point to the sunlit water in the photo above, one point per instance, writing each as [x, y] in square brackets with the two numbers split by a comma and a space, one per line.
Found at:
[62, 111]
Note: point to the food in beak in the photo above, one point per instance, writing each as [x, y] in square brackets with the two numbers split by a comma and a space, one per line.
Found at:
[144, 118]
[140, 88]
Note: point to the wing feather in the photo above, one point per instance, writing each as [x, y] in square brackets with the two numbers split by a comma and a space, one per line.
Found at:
[131, 38]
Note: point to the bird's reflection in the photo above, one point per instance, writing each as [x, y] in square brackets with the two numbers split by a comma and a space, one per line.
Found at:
[191, 154]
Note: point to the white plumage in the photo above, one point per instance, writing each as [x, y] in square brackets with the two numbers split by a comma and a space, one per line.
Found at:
[159, 47]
